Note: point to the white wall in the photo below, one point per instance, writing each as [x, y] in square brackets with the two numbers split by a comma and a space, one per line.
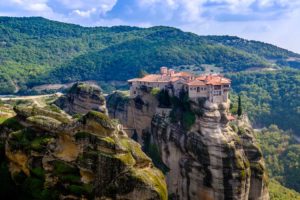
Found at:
[194, 93]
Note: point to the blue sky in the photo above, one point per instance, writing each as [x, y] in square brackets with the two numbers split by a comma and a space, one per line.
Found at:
[272, 21]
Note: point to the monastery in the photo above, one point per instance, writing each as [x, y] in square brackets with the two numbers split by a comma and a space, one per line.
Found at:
[213, 87]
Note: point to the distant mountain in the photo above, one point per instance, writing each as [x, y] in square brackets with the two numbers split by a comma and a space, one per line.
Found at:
[36, 51]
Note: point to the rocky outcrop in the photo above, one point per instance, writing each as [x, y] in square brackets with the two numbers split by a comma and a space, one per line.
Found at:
[134, 114]
[208, 159]
[81, 98]
[56, 157]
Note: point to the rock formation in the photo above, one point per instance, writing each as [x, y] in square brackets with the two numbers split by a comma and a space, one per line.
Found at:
[53, 156]
[81, 98]
[206, 157]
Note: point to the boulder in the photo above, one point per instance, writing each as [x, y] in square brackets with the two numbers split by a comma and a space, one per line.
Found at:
[81, 98]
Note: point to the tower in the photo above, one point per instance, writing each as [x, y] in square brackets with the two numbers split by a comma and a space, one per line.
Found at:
[164, 70]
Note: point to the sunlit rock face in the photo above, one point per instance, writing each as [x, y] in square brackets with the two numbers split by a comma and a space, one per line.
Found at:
[55, 156]
[81, 98]
[213, 159]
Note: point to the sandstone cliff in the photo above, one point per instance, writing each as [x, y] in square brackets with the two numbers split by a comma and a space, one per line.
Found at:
[81, 98]
[53, 156]
[204, 156]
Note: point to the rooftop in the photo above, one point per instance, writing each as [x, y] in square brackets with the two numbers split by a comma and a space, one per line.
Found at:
[189, 78]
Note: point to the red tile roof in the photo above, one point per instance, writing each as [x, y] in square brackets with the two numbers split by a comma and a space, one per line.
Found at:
[185, 76]
[196, 83]
[214, 79]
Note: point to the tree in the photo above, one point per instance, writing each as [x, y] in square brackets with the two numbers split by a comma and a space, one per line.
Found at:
[142, 73]
[240, 110]
[135, 136]
[164, 99]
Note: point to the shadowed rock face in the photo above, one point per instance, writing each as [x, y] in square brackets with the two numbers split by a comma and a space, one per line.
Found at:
[212, 160]
[81, 98]
[87, 158]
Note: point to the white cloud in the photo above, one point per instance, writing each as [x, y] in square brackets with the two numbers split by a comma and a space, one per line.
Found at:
[76, 11]
[100, 6]
[87, 13]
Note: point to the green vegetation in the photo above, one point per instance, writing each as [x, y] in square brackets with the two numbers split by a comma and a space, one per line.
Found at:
[239, 110]
[35, 51]
[61, 168]
[153, 152]
[269, 97]
[11, 123]
[26, 139]
[182, 112]
[164, 99]
[279, 192]
[282, 156]
[155, 91]
[117, 99]
[2, 119]
[82, 135]
[142, 73]
[79, 190]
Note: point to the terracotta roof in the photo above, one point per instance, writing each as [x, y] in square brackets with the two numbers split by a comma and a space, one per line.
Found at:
[196, 83]
[152, 78]
[183, 74]
[174, 79]
[161, 78]
[214, 79]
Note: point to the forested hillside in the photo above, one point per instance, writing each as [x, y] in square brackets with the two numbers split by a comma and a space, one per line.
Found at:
[35, 51]
[282, 156]
[269, 97]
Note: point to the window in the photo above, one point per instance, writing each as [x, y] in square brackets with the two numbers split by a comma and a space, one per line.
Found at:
[198, 89]
[217, 87]
[217, 93]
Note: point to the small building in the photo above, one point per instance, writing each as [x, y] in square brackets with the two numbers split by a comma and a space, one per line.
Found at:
[213, 87]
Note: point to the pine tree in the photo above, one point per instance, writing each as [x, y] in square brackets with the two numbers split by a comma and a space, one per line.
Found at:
[135, 136]
[240, 110]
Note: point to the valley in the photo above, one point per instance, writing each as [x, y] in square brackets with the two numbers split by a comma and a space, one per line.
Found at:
[125, 112]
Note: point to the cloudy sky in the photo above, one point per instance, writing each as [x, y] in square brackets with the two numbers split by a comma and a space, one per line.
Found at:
[273, 21]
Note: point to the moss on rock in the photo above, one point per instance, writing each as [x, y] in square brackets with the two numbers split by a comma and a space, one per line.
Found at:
[56, 156]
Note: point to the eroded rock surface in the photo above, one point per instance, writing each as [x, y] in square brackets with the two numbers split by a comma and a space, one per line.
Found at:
[91, 157]
[81, 98]
[211, 160]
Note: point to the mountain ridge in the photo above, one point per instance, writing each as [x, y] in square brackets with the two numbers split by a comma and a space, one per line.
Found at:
[35, 50]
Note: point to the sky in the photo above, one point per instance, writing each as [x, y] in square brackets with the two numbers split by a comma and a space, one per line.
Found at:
[273, 21]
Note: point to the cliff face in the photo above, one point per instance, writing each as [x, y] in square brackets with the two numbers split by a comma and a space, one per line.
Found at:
[210, 159]
[54, 156]
[81, 98]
